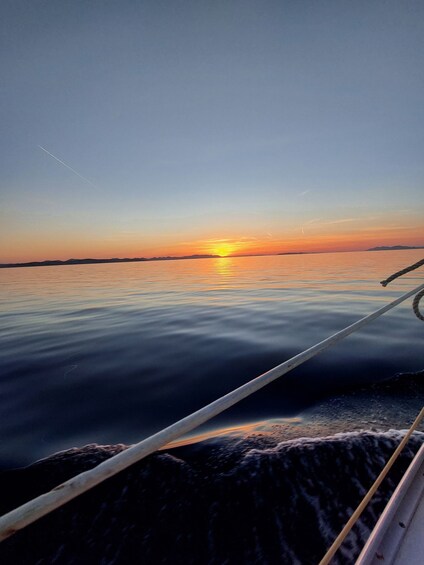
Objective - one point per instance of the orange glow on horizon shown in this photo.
(313, 238)
(224, 248)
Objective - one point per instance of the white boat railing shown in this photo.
(31, 511)
(389, 538)
(364, 502)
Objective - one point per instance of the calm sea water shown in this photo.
(112, 353)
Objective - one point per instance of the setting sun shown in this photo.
(224, 249)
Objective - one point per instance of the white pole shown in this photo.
(31, 511)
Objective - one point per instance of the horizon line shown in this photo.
(93, 260)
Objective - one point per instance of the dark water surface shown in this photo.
(233, 502)
(111, 353)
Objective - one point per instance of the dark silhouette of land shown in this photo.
(395, 248)
(95, 261)
(57, 262)
(298, 252)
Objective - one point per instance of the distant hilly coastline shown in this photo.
(395, 248)
(297, 253)
(95, 261)
(89, 261)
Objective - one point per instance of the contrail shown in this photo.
(67, 166)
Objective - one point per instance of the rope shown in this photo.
(34, 509)
(415, 304)
(341, 537)
(402, 272)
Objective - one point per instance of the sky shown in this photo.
(167, 127)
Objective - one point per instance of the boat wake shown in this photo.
(224, 500)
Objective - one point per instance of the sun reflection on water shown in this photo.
(224, 267)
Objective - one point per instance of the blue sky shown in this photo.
(194, 121)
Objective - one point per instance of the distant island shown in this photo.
(395, 248)
(53, 263)
(95, 261)
(297, 252)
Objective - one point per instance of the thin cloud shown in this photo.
(319, 222)
(342, 221)
(314, 221)
(67, 166)
(228, 240)
(346, 220)
(307, 224)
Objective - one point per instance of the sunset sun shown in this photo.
(224, 249)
